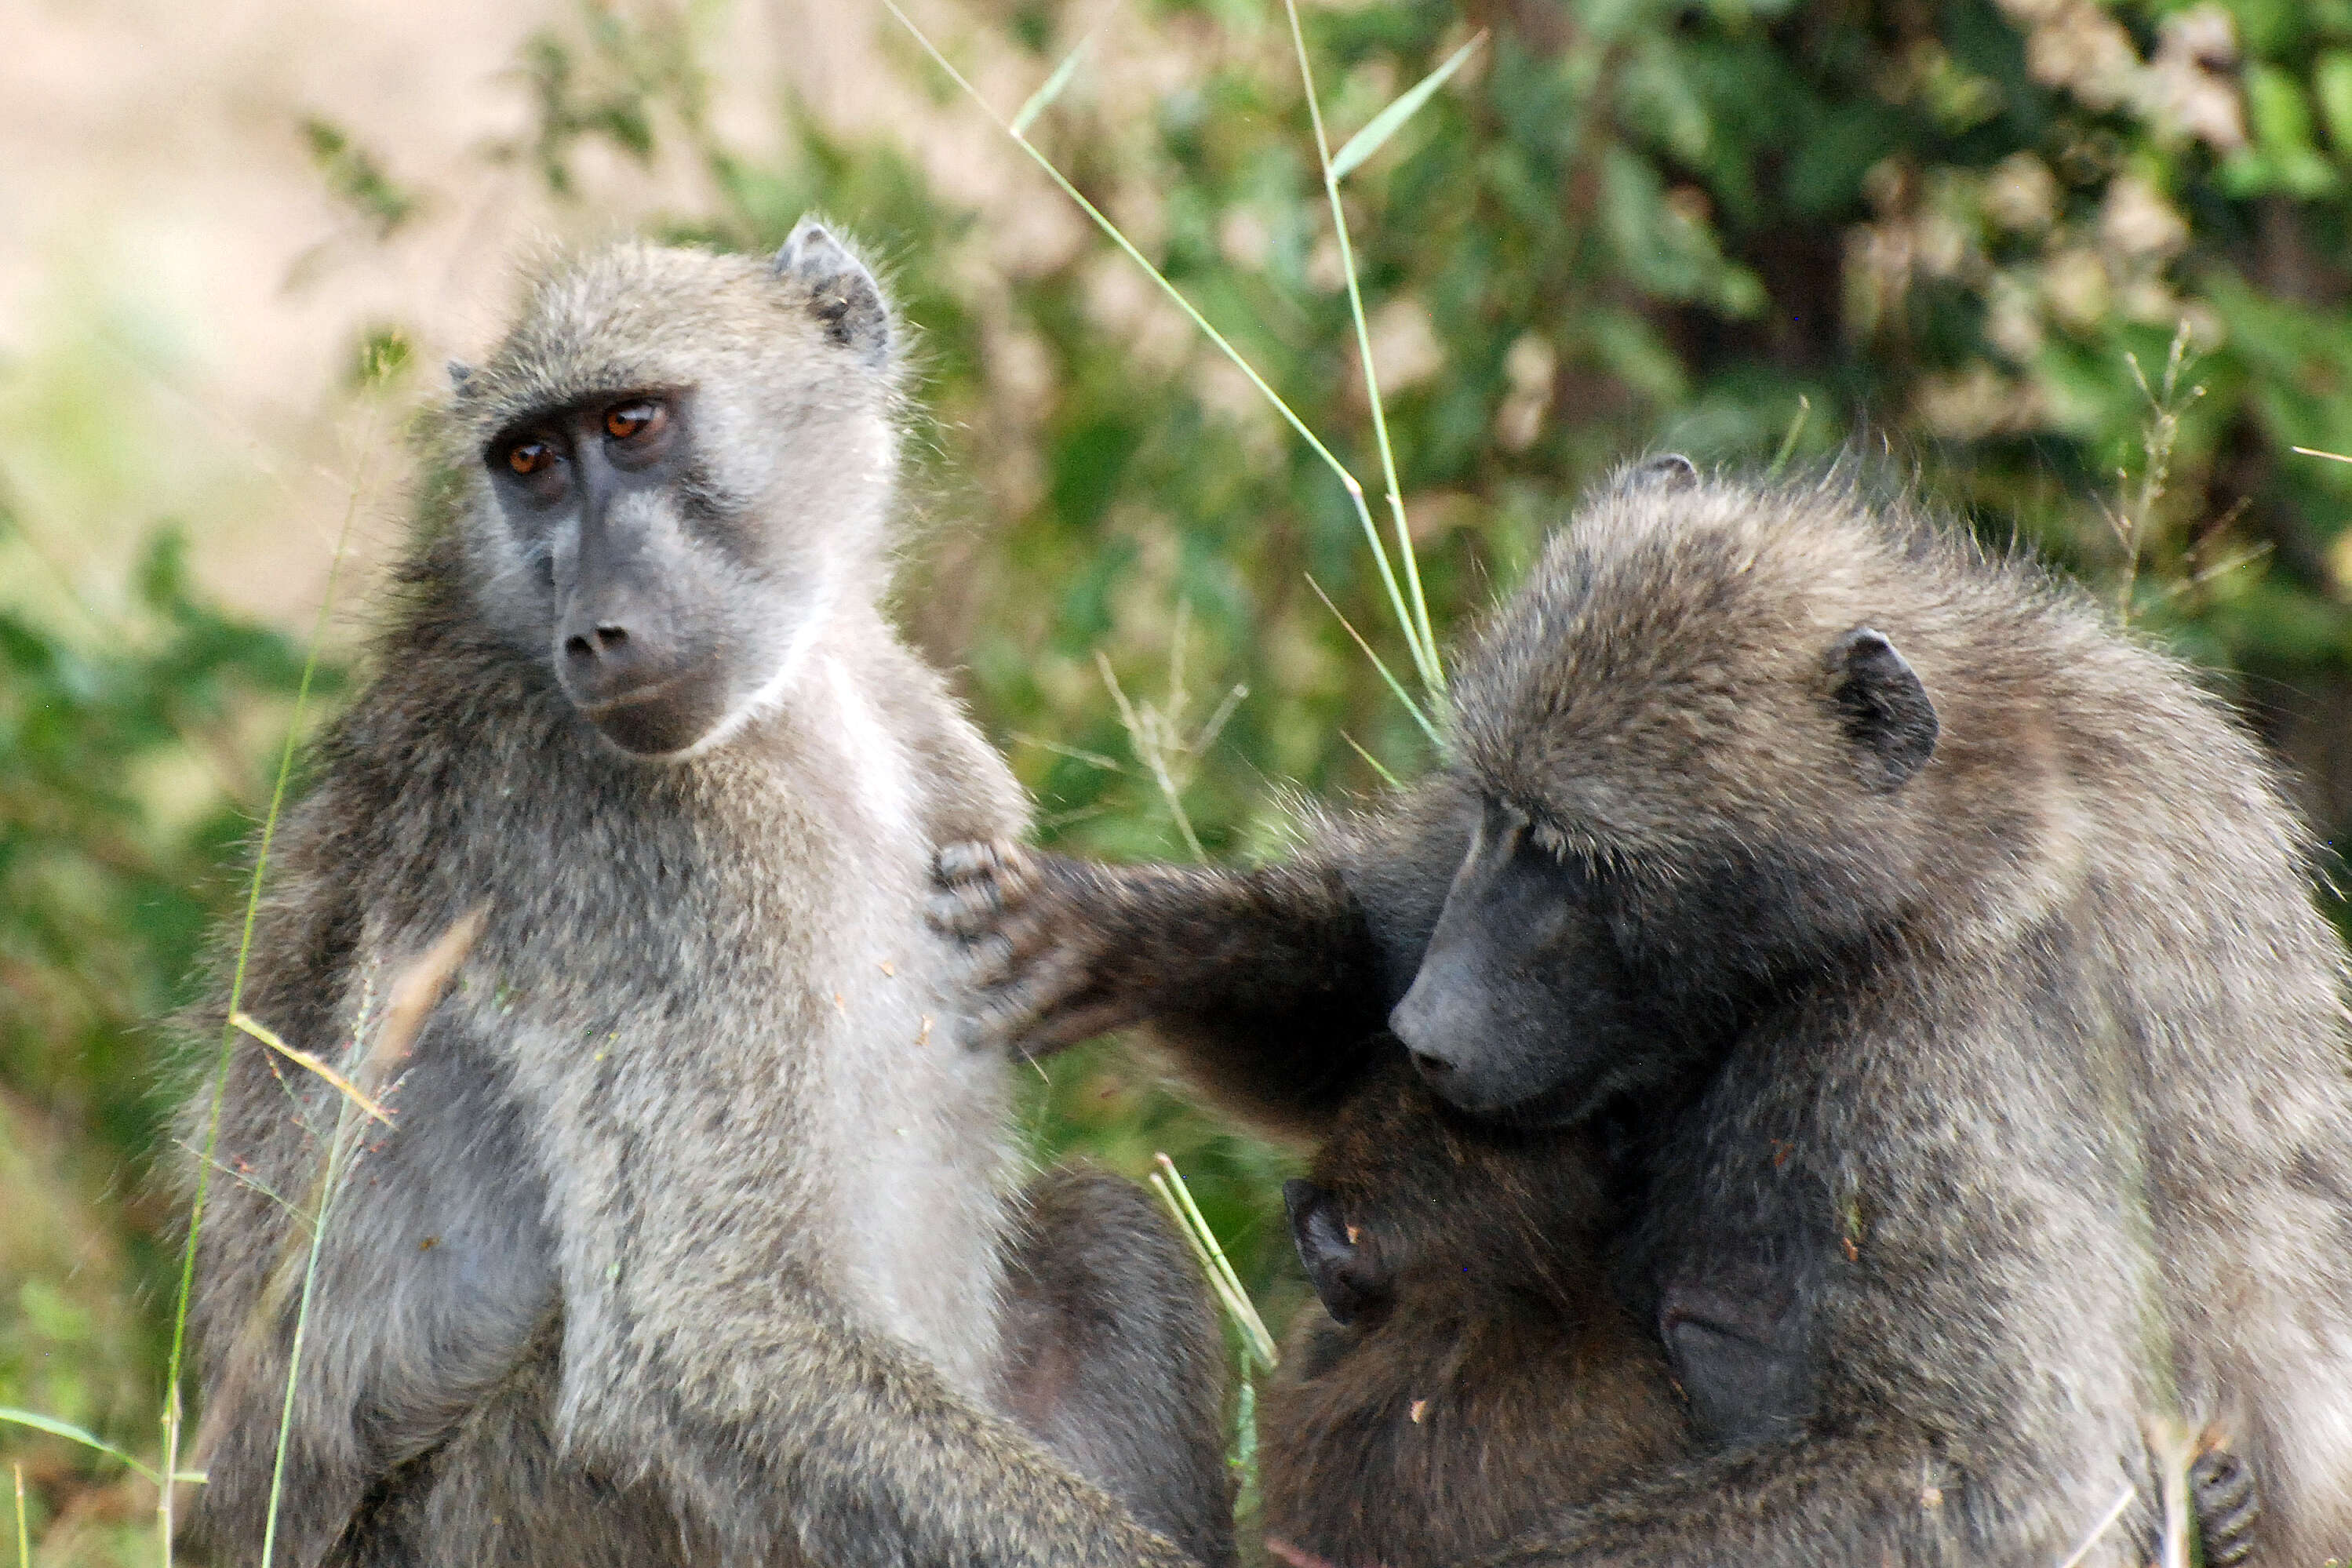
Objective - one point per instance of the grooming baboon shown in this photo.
(1957, 950)
(691, 1236)
(1473, 1372)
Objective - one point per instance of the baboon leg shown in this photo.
(1114, 1359)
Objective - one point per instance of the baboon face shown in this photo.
(682, 459)
(1696, 763)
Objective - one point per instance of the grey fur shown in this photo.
(694, 1235)
(1998, 1071)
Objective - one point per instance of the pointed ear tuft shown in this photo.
(843, 294)
(1667, 471)
(460, 372)
(1886, 712)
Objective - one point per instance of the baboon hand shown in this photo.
(1037, 932)
(2226, 1505)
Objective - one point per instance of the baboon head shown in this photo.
(1409, 1205)
(1706, 745)
(681, 464)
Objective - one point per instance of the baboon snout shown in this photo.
(1427, 1022)
(649, 692)
(613, 649)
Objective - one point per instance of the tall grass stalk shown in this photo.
(340, 1147)
(1414, 627)
(2099, 1531)
(172, 1403)
(24, 1531)
(2135, 508)
(1168, 1183)
(1418, 635)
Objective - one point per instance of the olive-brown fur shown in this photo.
(1958, 951)
(1487, 1375)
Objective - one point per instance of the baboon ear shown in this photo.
(1336, 1266)
(460, 372)
(1667, 471)
(842, 293)
(1886, 712)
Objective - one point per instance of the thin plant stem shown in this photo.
(1418, 635)
(1354, 488)
(1221, 1270)
(173, 1410)
(1380, 665)
(2106, 1523)
(1371, 761)
(339, 1150)
(1148, 747)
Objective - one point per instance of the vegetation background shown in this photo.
(1961, 236)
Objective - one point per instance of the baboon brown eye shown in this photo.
(630, 420)
(529, 456)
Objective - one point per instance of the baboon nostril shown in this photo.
(578, 648)
(611, 637)
(1431, 1066)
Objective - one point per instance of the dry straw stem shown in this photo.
(2106, 1523)
(1168, 1183)
(1414, 628)
(413, 992)
(24, 1536)
(2130, 517)
(247, 1024)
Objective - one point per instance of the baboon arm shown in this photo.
(1263, 985)
(432, 1274)
(1878, 1498)
(1270, 988)
(806, 1430)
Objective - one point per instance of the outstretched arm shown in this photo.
(1269, 987)
(1264, 985)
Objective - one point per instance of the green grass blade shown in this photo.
(71, 1433)
(1789, 441)
(1420, 640)
(1385, 124)
(206, 1164)
(1169, 1182)
(1380, 665)
(1289, 416)
(1371, 761)
(1043, 99)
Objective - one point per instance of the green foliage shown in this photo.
(126, 757)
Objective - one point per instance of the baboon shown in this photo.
(1959, 950)
(1473, 1372)
(692, 1237)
